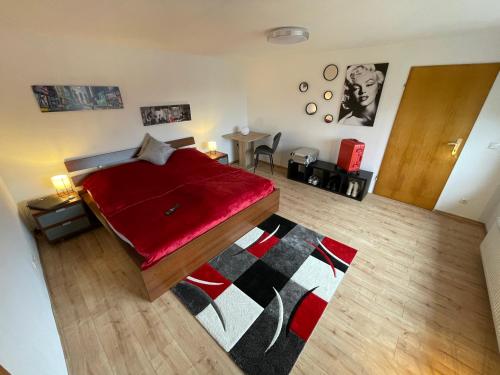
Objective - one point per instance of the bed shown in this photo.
(172, 219)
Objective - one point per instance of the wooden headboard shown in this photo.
(81, 167)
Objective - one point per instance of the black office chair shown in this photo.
(266, 150)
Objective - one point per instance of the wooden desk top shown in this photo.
(250, 137)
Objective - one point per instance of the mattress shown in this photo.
(135, 197)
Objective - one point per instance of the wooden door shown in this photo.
(439, 105)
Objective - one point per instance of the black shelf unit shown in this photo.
(331, 177)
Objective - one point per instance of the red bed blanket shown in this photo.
(135, 196)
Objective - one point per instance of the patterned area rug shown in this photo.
(262, 297)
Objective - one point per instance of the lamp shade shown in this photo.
(212, 146)
(62, 184)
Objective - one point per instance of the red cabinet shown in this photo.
(350, 155)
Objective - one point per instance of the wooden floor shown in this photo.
(414, 300)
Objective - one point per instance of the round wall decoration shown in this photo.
(328, 118)
(311, 108)
(303, 86)
(330, 72)
(327, 95)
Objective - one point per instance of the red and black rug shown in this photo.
(262, 297)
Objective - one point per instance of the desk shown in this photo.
(245, 146)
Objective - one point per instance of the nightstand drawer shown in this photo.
(67, 228)
(60, 215)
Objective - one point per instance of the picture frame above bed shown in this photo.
(63, 98)
(165, 114)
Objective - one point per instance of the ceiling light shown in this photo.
(288, 35)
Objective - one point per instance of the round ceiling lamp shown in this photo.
(288, 35)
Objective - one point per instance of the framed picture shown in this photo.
(362, 90)
(165, 114)
(77, 98)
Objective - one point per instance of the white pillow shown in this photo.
(155, 151)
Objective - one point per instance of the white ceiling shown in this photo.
(216, 27)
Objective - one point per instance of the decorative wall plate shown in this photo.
(327, 95)
(311, 108)
(330, 72)
(328, 118)
(303, 86)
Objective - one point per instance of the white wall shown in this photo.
(33, 145)
(477, 163)
(491, 214)
(275, 104)
(29, 341)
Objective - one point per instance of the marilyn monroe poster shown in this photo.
(362, 89)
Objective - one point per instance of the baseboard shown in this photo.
(461, 219)
(276, 166)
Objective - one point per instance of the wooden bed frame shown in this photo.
(176, 266)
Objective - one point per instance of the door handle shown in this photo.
(456, 146)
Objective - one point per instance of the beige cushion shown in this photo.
(145, 141)
(155, 151)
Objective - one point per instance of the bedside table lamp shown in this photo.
(212, 146)
(62, 184)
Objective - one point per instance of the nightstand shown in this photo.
(64, 221)
(219, 156)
